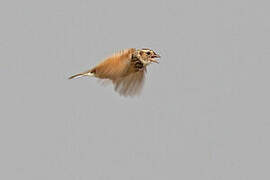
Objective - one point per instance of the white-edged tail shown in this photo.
(81, 75)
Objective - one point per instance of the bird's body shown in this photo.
(126, 69)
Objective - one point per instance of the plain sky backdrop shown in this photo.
(203, 113)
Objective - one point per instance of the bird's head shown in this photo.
(147, 56)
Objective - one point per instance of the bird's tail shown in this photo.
(81, 75)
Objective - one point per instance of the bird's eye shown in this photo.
(148, 53)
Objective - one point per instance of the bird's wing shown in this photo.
(130, 85)
(114, 66)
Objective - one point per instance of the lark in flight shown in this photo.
(126, 70)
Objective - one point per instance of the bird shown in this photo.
(126, 70)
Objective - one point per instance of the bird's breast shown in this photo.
(136, 63)
(135, 66)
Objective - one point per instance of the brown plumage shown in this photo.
(126, 69)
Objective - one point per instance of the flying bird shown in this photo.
(125, 69)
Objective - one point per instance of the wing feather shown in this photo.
(130, 85)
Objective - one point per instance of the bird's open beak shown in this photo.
(155, 56)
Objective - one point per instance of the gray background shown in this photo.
(203, 113)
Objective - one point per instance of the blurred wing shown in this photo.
(114, 66)
(130, 85)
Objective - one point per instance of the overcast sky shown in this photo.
(203, 113)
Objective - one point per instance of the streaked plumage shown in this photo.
(126, 69)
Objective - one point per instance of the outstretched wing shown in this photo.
(114, 66)
(130, 85)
